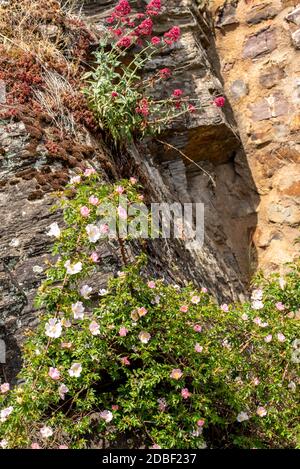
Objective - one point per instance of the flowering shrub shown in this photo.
(117, 92)
(164, 364)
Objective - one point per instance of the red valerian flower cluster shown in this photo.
(154, 8)
(145, 28)
(124, 42)
(165, 73)
(122, 9)
(143, 107)
(220, 101)
(172, 36)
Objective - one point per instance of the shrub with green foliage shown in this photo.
(162, 363)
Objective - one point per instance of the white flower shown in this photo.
(144, 337)
(268, 338)
(3, 444)
(85, 291)
(93, 233)
(75, 180)
(5, 413)
(257, 294)
(46, 432)
(62, 390)
(242, 416)
(244, 317)
(78, 310)
(106, 415)
(73, 269)
(54, 230)
(257, 304)
(53, 328)
(102, 292)
(75, 370)
(94, 328)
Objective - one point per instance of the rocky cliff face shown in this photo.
(258, 45)
(234, 149)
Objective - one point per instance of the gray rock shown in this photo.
(296, 39)
(261, 43)
(294, 16)
(265, 13)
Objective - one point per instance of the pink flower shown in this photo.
(94, 328)
(115, 407)
(106, 415)
(185, 393)
(198, 348)
(184, 309)
(200, 422)
(268, 338)
(280, 337)
(35, 446)
(155, 40)
(104, 229)
(125, 361)
(122, 213)
(220, 101)
(142, 311)
(197, 328)
(165, 73)
(124, 42)
(94, 257)
(261, 411)
(89, 171)
(63, 447)
(144, 337)
(162, 404)
(176, 373)
(85, 211)
(62, 390)
(195, 300)
(120, 190)
(151, 284)
(123, 331)
(172, 36)
(155, 446)
(54, 373)
(224, 307)
(133, 180)
(204, 290)
(4, 388)
(280, 306)
(177, 93)
(93, 200)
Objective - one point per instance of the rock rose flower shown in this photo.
(54, 373)
(261, 411)
(93, 233)
(62, 390)
(106, 415)
(78, 310)
(75, 370)
(85, 291)
(73, 269)
(94, 328)
(176, 373)
(53, 328)
(144, 337)
(4, 388)
(54, 230)
(242, 416)
(46, 432)
(5, 413)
